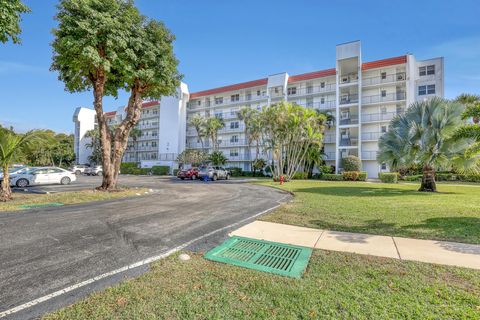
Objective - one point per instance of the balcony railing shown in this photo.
(326, 105)
(369, 155)
(396, 77)
(329, 155)
(396, 96)
(350, 98)
(230, 129)
(347, 121)
(240, 157)
(149, 137)
(371, 136)
(329, 139)
(349, 78)
(227, 101)
(349, 142)
(312, 90)
(374, 117)
(148, 126)
(167, 156)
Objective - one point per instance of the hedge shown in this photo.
(350, 175)
(160, 170)
(156, 170)
(300, 176)
(332, 177)
(447, 177)
(388, 177)
(363, 176)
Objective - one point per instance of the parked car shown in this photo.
(94, 171)
(213, 173)
(42, 175)
(191, 174)
(13, 171)
(78, 168)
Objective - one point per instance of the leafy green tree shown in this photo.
(288, 130)
(217, 158)
(198, 122)
(105, 46)
(212, 125)
(424, 136)
(10, 18)
(193, 157)
(11, 147)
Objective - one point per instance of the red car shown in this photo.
(191, 174)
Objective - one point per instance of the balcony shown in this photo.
(167, 156)
(348, 141)
(350, 120)
(329, 139)
(369, 155)
(312, 90)
(348, 79)
(239, 157)
(329, 156)
(390, 78)
(140, 149)
(240, 128)
(148, 126)
(371, 136)
(228, 101)
(348, 98)
(148, 137)
(389, 97)
(378, 117)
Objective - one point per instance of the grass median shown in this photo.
(385, 209)
(335, 286)
(74, 197)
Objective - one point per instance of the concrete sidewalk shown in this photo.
(431, 251)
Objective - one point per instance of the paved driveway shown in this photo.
(45, 250)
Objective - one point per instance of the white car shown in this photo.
(94, 171)
(78, 168)
(43, 175)
(13, 170)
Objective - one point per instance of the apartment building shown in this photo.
(161, 131)
(362, 96)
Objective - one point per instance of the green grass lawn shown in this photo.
(387, 209)
(20, 199)
(335, 286)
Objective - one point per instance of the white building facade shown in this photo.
(362, 96)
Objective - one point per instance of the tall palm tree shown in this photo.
(472, 111)
(135, 133)
(424, 136)
(198, 122)
(472, 106)
(245, 115)
(11, 146)
(212, 125)
(255, 130)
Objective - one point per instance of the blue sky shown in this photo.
(224, 42)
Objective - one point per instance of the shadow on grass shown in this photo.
(458, 229)
(357, 191)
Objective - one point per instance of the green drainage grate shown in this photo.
(273, 257)
(41, 205)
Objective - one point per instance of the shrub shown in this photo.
(160, 170)
(350, 175)
(388, 177)
(351, 163)
(417, 177)
(362, 176)
(300, 176)
(125, 166)
(235, 172)
(326, 169)
(332, 177)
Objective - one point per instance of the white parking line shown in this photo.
(129, 267)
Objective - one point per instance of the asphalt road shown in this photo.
(45, 250)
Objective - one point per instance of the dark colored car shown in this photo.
(191, 174)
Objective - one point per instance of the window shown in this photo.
(431, 89)
(234, 153)
(154, 133)
(383, 129)
(276, 90)
(248, 96)
(235, 97)
(322, 85)
(309, 102)
(322, 100)
(422, 71)
(154, 143)
(384, 166)
(258, 93)
(292, 90)
(383, 110)
(218, 115)
(431, 69)
(234, 125)
(219, 100)
(199, 103)
(383, 75)
(234, 139)
(422, 90)
(383, 93)
(309, 88)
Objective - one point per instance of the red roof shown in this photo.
(312, 75)
(232, 87)
(384, 62)
(148, 104)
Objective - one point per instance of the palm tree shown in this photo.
(245, 115)
(472, 104)
(135, 133)
(198, 122)
(424, 136)
(11, 146)
(470, 131)
(212, 125)
(255, 130)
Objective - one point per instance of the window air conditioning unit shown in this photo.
(400, 76)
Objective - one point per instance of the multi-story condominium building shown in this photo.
(362, 96)
(162, 129)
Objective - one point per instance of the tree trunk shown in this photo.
(5, 190)
(428, 180)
